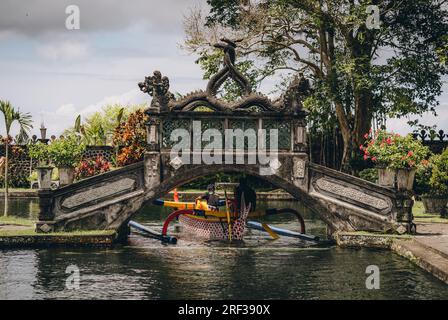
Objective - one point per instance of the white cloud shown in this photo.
(64, 50)
(66, 110)
(126, 99)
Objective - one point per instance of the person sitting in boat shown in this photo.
(249, 195)
(211, 197)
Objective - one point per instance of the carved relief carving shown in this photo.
(99, 193)
(299, 168)
(351, 193)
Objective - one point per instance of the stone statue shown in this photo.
(157, 87)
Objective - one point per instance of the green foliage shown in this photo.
(66, 152)
(422, 177)
(439, 175)
(39, 151)
(370, 174)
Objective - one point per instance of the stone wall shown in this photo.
(21, 165)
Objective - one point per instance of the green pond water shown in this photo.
(258, 268)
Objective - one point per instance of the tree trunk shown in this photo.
(6, 179)
(346, 135)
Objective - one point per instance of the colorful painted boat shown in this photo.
(212, 228)
(201, 220)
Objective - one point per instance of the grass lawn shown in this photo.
(11, 220)
(19, 190)
(421, 216)
(28, 229)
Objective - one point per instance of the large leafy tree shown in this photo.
(363, 71)
(11, 116)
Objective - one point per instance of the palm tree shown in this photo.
(24, 120)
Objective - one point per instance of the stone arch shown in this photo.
(192, 173)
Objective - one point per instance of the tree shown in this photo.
(368, 61)
(24, 120)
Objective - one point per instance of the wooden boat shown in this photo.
(204, 221)
(211, 223)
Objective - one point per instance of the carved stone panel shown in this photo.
(350, 194)
(299, 168)
(97, 194)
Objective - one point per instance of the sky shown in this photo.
(56, 74)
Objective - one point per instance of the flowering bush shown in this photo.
(130, 137)
(89, 168)
(393, 151)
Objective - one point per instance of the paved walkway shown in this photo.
(429, 249)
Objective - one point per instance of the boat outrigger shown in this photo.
(210, 223)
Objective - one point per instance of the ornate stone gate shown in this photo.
(108, 201)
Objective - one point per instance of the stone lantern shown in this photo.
(300, 136)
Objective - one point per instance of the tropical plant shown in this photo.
(340, 45)
(91, 167)
(130, 138)
(370, 174)
(98, 128)
(393, 151)
(66, 151)
(439, 175)
(11, 116)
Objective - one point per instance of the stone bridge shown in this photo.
(109, 201)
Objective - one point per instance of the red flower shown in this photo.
(366, 157)
(374, 159)
(410, 154)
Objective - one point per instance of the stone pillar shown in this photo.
(46, 215)
(152, 171)
(153, 130)
(404, 211)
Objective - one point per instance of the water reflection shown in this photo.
(22, 207)
(259, 268)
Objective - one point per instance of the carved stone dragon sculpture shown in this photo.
(290, 102)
